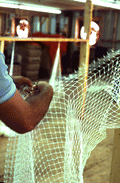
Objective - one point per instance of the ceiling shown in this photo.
(51, 5)
(61, 4)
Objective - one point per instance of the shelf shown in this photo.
(37, 39)
(42, 39)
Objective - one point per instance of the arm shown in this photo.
(22, 116)
(40, 102)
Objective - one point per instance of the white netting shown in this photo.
(56, 151)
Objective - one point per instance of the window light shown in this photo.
(30, 7)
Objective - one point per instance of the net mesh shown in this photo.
(58, 148)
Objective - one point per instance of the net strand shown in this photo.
(57, 149)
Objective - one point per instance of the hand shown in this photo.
(20, 80)
(40, 89)
(37, 88)
(42, 85)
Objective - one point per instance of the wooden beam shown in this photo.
(35, 39)
(85, 52)
(88, 17)
(85, 48)
(83, 74)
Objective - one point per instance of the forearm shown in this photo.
(22, 116)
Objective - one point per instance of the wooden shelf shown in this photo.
(42, 39)
(37, 39)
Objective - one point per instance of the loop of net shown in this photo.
(56, 151)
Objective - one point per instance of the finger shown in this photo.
(27, 81)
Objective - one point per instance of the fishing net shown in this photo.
(56, 151)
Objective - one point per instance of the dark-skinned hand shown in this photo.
(20, 80)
